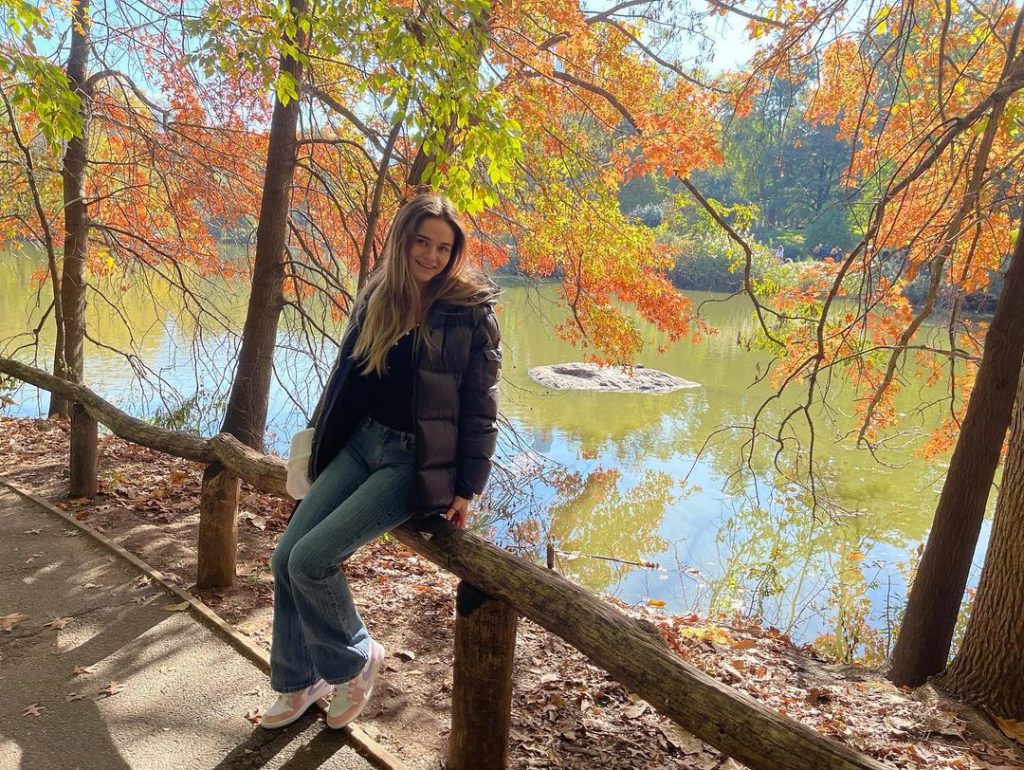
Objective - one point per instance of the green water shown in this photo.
(632, 477)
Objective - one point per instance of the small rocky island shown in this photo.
(587, 376)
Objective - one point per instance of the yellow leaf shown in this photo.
(707, 634)
(655, 603)
(1012, 728)
(176, 607)
(855, 556)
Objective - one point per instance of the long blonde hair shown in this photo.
(392, 299)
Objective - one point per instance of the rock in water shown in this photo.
(586, 376)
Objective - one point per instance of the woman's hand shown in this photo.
(458, 512)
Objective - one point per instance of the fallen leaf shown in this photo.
(687, 743)
(1012, 728)
(655, 603)
(74, 696)
(635, 712)
(112, 688)
(92, 585)
(743, 644)
(33, 710)
(176, 607)
(7, 622)
(947, 724)
(31, 532)
(405, 654)
(79, 670)
(57, 623)
(260, 522)
(255, 715)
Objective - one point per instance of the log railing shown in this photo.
(498, 587)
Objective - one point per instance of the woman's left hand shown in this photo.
(458, 512)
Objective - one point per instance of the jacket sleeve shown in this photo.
(478, 412)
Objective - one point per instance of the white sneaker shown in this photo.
(291, 705)
(350, 698)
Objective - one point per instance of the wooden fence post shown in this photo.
(218, 528)
(485, 644)
(82, 481)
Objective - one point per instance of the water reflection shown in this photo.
(635, 478)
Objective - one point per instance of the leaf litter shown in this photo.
(566, 713)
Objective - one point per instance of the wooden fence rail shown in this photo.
(501, 586)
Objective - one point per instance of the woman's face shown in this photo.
(431, 249)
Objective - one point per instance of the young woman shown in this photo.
(405, 427)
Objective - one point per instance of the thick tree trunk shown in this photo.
(923, 644)
(989, 669)
(72, 284)
(246, 413)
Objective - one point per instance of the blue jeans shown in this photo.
(362, 494)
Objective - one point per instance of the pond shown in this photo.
(644, 496)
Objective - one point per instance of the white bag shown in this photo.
(298, 482)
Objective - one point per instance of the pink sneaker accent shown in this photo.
(291, 705)
(350, 698)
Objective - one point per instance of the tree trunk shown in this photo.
(485, 645)
(246, 413)
(989, 669)
(72, 284)
(923, 644)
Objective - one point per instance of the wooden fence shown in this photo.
(497, 588)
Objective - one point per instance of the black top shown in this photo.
(389, 397)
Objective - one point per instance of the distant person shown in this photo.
(780, 252)
(405, 427)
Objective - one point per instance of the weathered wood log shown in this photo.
(120, 423)
(631, 651)
(636, 655)
(485, 644)
(83, 480)
(265, 473)
(218, 528)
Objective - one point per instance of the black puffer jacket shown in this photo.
(455, 405)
